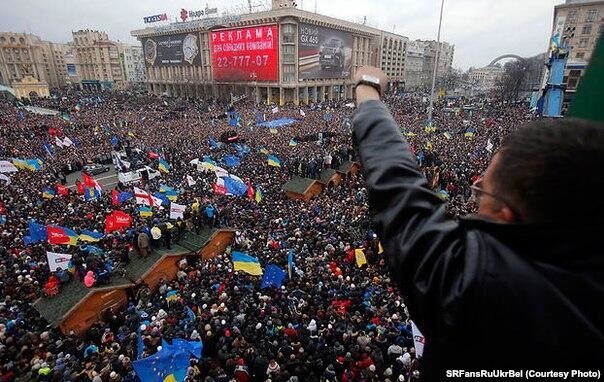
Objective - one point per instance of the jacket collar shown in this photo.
(552, 243)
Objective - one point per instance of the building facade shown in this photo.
(277, 56)
(133, 64)
(580, 23)
(393, 56)
(446, 52)
(415, 77)
(97, 59)
(24, 55)
(485, 78)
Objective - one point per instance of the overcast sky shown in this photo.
(480, 29)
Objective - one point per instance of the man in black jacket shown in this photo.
(521, 285)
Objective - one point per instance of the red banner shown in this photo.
(116, 221)
(246, 54)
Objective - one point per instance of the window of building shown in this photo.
(590, 16)
(583, 42)
(586, 29)
(580, 55)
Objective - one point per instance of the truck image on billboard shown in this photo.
(245, 54)
(323, 53)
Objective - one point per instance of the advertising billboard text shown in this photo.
(246, 54)
(180, 49)
(323, 52)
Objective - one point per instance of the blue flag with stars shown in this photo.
(273, 276)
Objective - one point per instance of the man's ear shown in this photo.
(507, 215)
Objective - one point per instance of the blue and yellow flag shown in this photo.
(246, 263)
(145, 211)
(170, 192)
(293, 143)
(91, 193)
(90, 236)
(49, 193)
(274, 161)
(447, 135)
(164, 166)
(259, 195)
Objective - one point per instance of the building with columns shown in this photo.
(282, 55)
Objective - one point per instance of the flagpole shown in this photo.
(440, 21)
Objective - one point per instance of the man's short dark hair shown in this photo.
(552, 171)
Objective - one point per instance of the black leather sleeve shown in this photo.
(433, 260)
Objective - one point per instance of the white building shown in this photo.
(133, 63)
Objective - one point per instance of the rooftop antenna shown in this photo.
(249, 4)
(364, 20)
(393, 28)
(315, 6)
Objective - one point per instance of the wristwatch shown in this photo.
(372, 81)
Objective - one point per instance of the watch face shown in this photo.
(372, 79)
(189, 48)
(150, 51)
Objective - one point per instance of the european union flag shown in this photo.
(37, 233)
(48, 148)
(234, 185)
(231, 161)
(273, 276)
(115, 141)
(213, 144)
(124, 196)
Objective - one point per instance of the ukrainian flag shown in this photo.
(274, 131)
(293, 143)
(48, 193)
(145, 211)
(171, 296)
(164, 166)
(170, 193)
(259, 195)
(429, 146)
(246, 263)
(274, 161)
(19, 163)
(263, 150)
(90, 236)
(469, 135)
(447, 135)
(359, 255)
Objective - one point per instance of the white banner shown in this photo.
(275, 110)
(302, 113)
(490, 146)
(5, 178)
(58, 142)
(67, 142)
(418, 340)
(191, 181)
(57, 260)
(177, 211)
(6, 166)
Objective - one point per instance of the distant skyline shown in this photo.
(480, 29)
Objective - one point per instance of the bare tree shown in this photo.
(511, 83)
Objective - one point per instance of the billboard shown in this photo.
(323, 52)
(180, 49)
(245, 54)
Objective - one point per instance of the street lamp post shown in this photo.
(440, 21)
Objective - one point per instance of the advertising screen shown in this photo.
(246, 54)
(180, 49)
(323, 52)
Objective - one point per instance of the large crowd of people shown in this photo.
(331, 320)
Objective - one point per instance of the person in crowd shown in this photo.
(529, 253)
